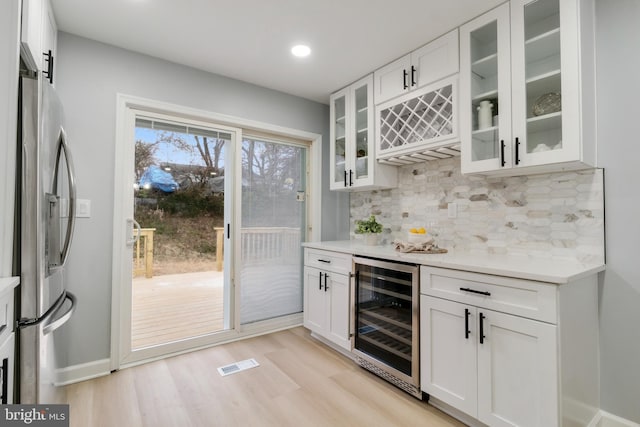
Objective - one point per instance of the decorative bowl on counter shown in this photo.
(418, 236)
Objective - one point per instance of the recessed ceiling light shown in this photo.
(301, 50)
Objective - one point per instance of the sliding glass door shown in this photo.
(272, 228)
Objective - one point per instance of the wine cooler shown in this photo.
(385, 321)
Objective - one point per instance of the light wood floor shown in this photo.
(300, 382)
(175, 306)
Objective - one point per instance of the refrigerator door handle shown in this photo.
(51, 312)
(64, 147)
(55, 324)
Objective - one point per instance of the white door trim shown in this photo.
(123, 188)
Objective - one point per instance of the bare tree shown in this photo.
(144, 156)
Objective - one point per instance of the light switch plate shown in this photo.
(83, 208)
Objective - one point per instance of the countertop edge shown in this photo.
(7, 283)
(571, 270)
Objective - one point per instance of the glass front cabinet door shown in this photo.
(353, 164)
(527, 88)
(485, 91)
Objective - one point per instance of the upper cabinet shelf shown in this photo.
(527, 88)
(486, 66)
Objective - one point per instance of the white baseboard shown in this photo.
(85, 371)
(609, 420)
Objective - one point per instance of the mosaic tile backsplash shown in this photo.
(549, 215)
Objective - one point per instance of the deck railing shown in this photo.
(258, 244)
(143, 262)
(263, 244)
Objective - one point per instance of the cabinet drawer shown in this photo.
(6, 313)
(328, 261)
(535, 300)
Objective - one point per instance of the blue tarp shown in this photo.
(154, 177)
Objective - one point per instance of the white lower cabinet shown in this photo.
(327, 296)
(7, 359)
(501, 368)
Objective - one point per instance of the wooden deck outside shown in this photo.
(176, 306)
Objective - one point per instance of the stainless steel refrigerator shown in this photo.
(47, 212)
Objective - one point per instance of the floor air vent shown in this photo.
(237, 367)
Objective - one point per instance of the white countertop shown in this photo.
(552, 270)
(8, 283)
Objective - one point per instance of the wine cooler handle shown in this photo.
(353, 302)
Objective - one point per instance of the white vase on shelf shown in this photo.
(485, 115)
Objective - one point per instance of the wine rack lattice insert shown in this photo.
(423, 118)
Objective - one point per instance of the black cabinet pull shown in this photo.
(502, 160)
(350, 178)
(413, 75)
(320, 281)
(5, 381)
(345, 178)
(228, 231)
(482, 337)
(48, 57)
(517, 151)
(325, 261)
(466, 323)
(325, 281)
(404, 79)
(476, 292)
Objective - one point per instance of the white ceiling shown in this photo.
(250, 40)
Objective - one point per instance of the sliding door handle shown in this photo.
(134, 239)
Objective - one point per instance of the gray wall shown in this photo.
(618, 62)
(89, 75)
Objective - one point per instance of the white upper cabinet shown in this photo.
(31, 33)
(352, 151)
(434, 61)
(527, 88)
(39, 36)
